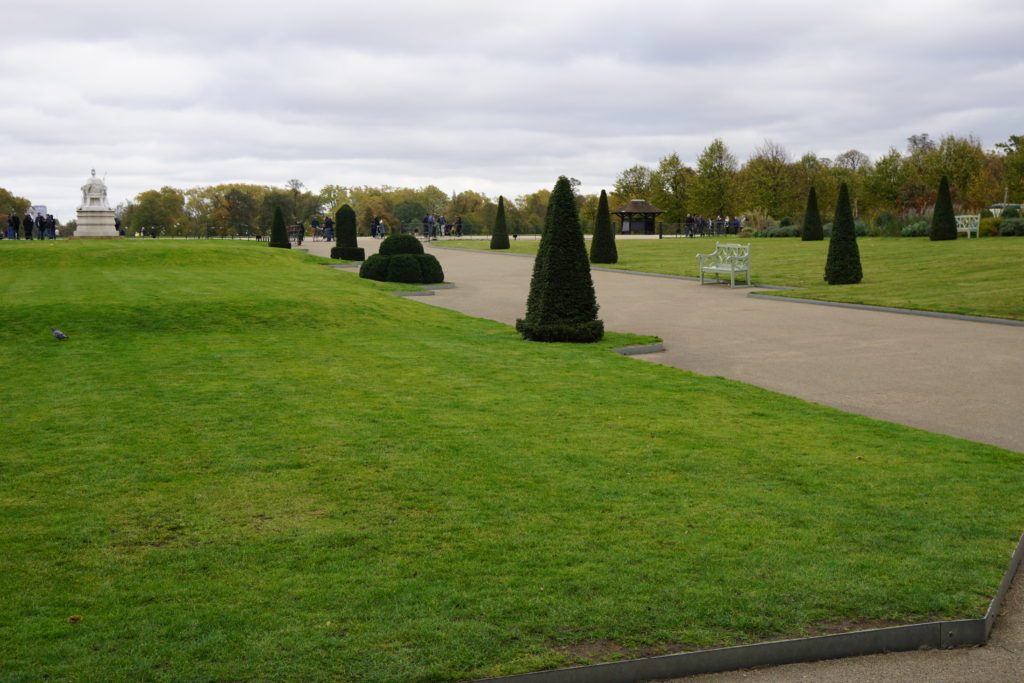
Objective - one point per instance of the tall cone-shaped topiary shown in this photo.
(346, 246)
(602, 246)
(562, 306)
(811, 230)
(499, 236)
(943, 220)
(279, 233)
(843, 265)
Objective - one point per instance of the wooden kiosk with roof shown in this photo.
(638, 217)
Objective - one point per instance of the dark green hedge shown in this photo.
(430, 268)
(348, 253)
(375, 268)
(400, 244)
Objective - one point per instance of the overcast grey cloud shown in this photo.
(497, 97)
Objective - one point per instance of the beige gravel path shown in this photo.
(965, 379)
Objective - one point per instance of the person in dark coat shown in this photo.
(40, 226)
(51, 226)
(26, 226)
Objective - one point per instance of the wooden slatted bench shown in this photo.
(726, 258)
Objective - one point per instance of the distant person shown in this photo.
(26, 226)
(298, 234)
(40, 226)
(328, 229)
(13, 223)
(315, 225)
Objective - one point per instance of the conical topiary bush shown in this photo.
(279, 233)
(345, 243)
(811, 230)
(943, 219)
(602, 246)
(562, 306)
(499, 236)
(843, 265)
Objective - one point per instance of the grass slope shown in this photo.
(246, 466)
(971, 277)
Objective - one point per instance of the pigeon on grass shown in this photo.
(58, 335)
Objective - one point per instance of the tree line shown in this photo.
(770, 187)
(773, 186)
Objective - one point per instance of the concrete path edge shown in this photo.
(932, 635)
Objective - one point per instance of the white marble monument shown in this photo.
(95, 217)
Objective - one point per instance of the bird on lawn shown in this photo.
(57, 334)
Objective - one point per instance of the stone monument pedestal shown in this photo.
(95, 217)
(96, 224)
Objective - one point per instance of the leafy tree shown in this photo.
(9, 203)
(278, 231)
(634, 182)
(160, 210)
(943, 219)
(852, 167)
(670, 188)
(433, 198)
(843, 264)
(562, 305)
(714, 187)
(1012, 152)
(499, 237)
(275, 199)
(409, 211)
(767, 181)
(531, 211)
(602, 247)
(886, 179)
(811, 230)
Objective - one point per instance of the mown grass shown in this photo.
(247, 466)
(972, 277)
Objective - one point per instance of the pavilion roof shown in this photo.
(637, 206)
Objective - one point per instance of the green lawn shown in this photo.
(974, 277)
(246, 466)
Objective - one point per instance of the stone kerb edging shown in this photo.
(929, 636)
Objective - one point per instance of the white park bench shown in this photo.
(726, 258)
(968, 224)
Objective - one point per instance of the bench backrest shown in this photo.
(740, 251)
(968, 222)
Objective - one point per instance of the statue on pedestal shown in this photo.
(95, 217)
(94, 194)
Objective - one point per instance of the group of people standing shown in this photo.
(435, 225)
(39, 227)
(701, 225)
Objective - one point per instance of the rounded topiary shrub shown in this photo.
(400, 244)
(430, 268)
(1010, 212)
(404, 268)
(375, 268)
(348, 253)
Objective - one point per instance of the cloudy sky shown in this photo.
(499, 97)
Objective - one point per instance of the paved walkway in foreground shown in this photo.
(955, 377)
